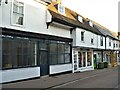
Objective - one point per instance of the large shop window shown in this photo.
(89, 58)
(7, 53)
(18, 12)
(59, 53)
(18, 52)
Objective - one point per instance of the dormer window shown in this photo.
(61, 9)
(90, 23)
(80, 19)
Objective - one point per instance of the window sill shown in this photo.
(83, 41)
(17, 25)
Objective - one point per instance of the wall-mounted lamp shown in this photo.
(6, 1)
(0, 2)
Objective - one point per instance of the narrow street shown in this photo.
(102, 80)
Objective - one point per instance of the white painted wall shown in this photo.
(87, 38)
(56, 30)
(19, 74)
(33, 21)
(60, 68)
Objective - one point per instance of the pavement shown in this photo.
(54, 81)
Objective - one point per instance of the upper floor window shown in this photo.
(109, 42)
(18, 12)
(61, 9)
(82, 36)
(90, 23)
(101, 41)
(80, 19)
(91, 40)
(114, 45)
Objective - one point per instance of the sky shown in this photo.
(104, 12)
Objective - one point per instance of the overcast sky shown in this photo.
(105, 12)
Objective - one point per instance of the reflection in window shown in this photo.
(18, 12)
(7, 53)
(89, 58)
(17, 53)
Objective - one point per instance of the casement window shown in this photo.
(82, 36)
(101, 41)
(59, 53)
(18, 13)
(61, 9)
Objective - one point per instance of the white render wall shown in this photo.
(87, 38)
(60, 68)
(19, 74)
(33, 21)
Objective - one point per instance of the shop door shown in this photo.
(43, 57)
(44, 67)
(95, 61)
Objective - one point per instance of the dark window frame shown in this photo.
(13, 49)
(82, 35)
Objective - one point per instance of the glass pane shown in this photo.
(53, 48)
(53, 58)
(67, 48)
(26, 51)
(34, 53)
(79, 59)
(17, 19)
(60, 48)
(89, 60)
(84, 59)
(21, 9)
(7, 53)
(67, 58)
(6, 61)
(15, 8)
(17, 53)
(43, 45)
(43, 58)
(60, 58)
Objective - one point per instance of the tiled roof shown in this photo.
(70, 18)
(104, 30)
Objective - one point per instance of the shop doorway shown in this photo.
(43, 57)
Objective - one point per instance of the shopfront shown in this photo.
(84, 60)
(26, 53)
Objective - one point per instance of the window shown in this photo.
(90, 23)
(59, 53)
(109, 42)
(91, 40)
(82, 36)
(7, 53)
(89, 60)
(18, 13)
(101, 41)
(61, 9)
(18, 52)
(114, 45)
(80, 18)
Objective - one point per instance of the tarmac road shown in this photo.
(102, 80)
